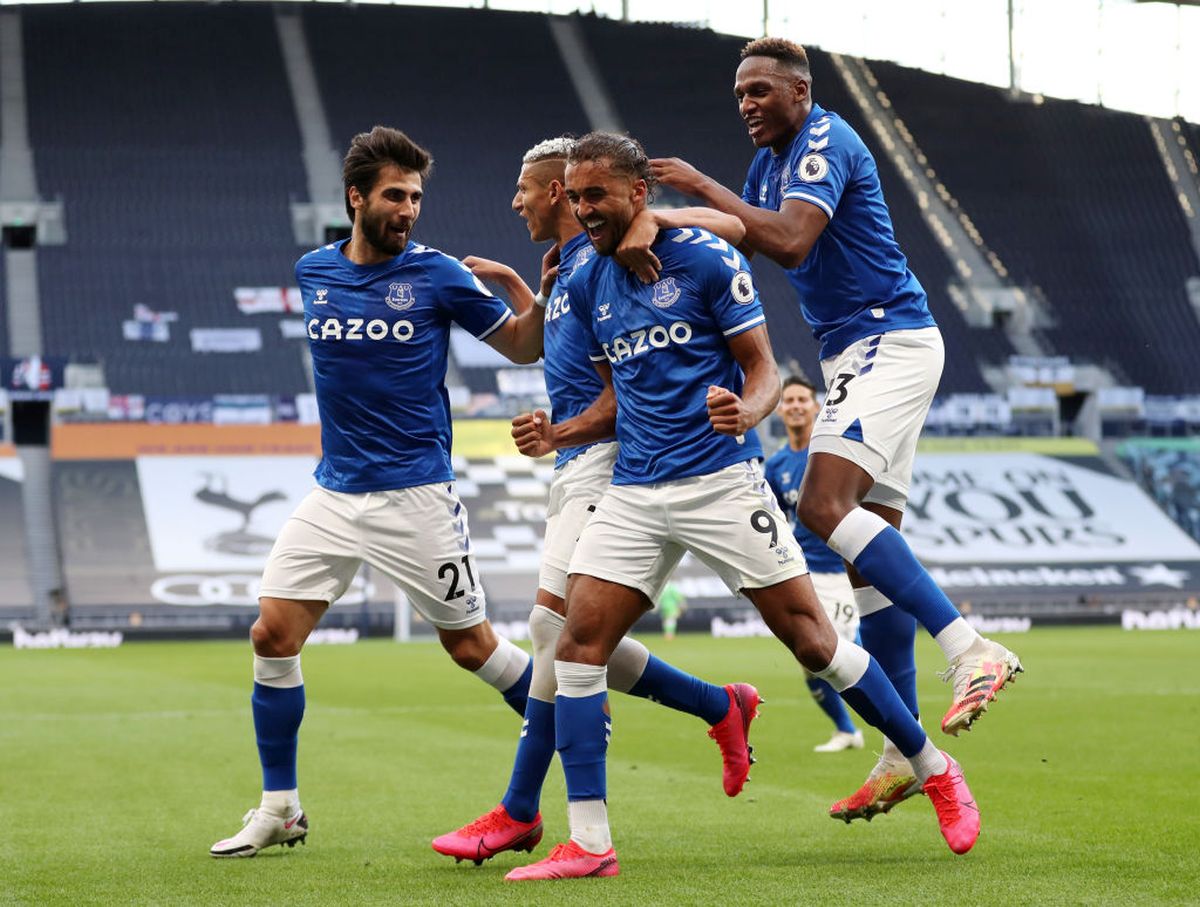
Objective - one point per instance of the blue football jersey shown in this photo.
(379, 336)
(784, 471)
(855, 281)
(667, 343)
(571, 380)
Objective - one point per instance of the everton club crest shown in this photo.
(665, 293)
(400, 296)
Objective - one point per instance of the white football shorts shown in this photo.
(837, 598)
(729, 519)
(575, 491)
(879, 391)
(417, 537)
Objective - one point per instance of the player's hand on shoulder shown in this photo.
(677, 173)
(533, 434)
(634, 251)
(550, 262)
(486, 269)
(726, 412)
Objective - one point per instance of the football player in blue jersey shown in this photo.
(783, 470)
(581, 437)
(691, 366)
(812, 203)
(378, 309)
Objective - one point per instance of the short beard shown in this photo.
(377, 236)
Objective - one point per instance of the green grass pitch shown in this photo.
(119, 768)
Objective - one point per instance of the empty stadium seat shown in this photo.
(1075, 201)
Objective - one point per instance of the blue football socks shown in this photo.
(890, 636)
(277, 716)
(673, 688)
(582, 728)
(831, 704)
(535, 750)
(517, 696)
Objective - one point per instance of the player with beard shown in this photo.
(581, 437)
(378, 308)
(692, 371)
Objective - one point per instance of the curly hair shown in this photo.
(789, 53)
(624, 154)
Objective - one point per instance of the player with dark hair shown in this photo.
(783, 470)
(371, 151)
(812, 202)
(378, 308)
(690, 363)
(581, 437)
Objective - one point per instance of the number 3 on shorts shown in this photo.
(838, 392)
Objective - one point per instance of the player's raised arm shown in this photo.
(785, 236)
(730, 414)
(503, 276)
(474, 307)
(634, 250)
(519, 339)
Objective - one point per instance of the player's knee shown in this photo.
(466, 655)
(813, 643)
(274, 638)
(821, 512)
(545, 627)
(577, 647)
(468, 650)
(568, 647)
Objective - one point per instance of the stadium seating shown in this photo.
(1170, 475)
(16, 598)
(168, 133)
(476, 88)
(1075, 201)
(695, 118)
(4, 349)
(1191, 135)
(177, 186)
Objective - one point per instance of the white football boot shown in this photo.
(841, 740)
(263, 829)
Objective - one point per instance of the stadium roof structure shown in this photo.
(1141, 56)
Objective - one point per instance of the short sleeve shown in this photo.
(467, 301)
(820, 167)
(730, 288)
(753, 192)
(750, 189)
